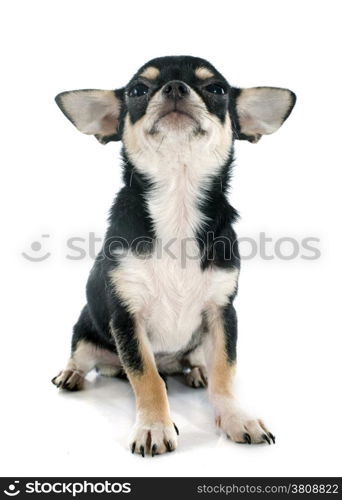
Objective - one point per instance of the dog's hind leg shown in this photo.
(195, 370)
(87, 353)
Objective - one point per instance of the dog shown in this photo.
(160, 294)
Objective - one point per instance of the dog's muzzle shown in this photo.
(176, 106)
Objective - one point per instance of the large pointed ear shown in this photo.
(94, 112)
(261, 110)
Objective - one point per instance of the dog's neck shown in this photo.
(183, 194)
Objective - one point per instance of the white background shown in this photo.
(59, 182)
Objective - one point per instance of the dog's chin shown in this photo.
(175, 122)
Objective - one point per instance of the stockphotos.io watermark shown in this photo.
(263, 246)
(42, 487)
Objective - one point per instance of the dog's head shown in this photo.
(177, 105)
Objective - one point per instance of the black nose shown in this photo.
(176, 90)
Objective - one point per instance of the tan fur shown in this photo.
(150, 393)
(203, 73)
(149, 388)
(221, 369)
(151, 73)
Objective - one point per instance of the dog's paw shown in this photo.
(71, 380)
(154, 439)
(241, 428)
(197, 377)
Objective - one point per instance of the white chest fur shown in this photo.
(168, 288)
(169, 297)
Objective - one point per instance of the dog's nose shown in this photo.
(175, 90)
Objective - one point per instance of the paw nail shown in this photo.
(142, 451)
(272, 437)
(266, 438)
(154, 449)
(176, 429)
(133, 448)
(247, 438)
(168, 445)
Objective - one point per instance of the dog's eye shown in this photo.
(138, 90)
(215, 88)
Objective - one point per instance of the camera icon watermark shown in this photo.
(13, 491)
(36, 254)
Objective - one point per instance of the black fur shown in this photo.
(180, 68)
(230, 327)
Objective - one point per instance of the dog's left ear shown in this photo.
(261, 110)
(94, 112)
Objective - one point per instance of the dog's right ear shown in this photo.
(94, 112)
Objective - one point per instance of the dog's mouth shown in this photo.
(175, 118)
(174, 113)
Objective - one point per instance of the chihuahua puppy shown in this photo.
(160, 294)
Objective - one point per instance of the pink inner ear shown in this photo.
(109, 124)
(247, 122)
(93, 112)
(261, 110)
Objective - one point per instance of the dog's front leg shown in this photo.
(154, 431)
(221, 353)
